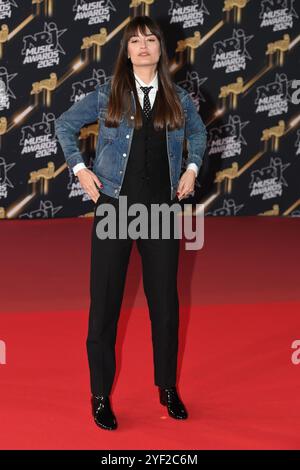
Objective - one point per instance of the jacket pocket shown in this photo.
(109, 134)
(107, 162)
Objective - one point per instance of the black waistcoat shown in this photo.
(147, 177)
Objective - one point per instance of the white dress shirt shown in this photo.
(152, 94)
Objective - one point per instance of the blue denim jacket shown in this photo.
(113, 144)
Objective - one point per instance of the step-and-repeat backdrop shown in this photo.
(238, 59)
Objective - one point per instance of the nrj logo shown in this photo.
(189, 13)
(297, 143)
(74, 186)
(2, 352)
(45, 211)
(229, 208)
(95, 11)
(40, 137)
(295, 213)
(231, 53)
(4, 180)
(81, 89)
(43, 47)
(277, 13)
(228, 138)
(5, 90)
(275, 96)
(6, 8)
(296, 94)
(295, 358)
(166, 221)
(269, 181)
(192, 84)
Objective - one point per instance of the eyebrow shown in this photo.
(136, 35)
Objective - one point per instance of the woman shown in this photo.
(143, 119)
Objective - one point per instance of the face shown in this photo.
(144, 50)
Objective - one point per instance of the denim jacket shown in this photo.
(113, 144)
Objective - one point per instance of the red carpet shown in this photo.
(240, 305)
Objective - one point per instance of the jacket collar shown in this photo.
(139, 82)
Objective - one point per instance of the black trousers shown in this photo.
(109, 263)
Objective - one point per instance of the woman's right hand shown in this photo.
(87, 181)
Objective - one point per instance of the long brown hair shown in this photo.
(168, 107)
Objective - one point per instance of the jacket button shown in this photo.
(121, 171)
(131, 117)
(124, 154)
(127, 137)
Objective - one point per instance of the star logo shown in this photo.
(4, 168)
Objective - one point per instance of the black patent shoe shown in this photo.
(169, 397)
(102, 412)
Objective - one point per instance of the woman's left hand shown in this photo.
(186, 184)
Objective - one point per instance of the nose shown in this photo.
(143, 43)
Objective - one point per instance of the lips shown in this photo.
(144, 54)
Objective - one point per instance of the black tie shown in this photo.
(147, 105)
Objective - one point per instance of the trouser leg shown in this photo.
(160, 266)
(109, 263)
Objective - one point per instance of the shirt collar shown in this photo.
(139, 82)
